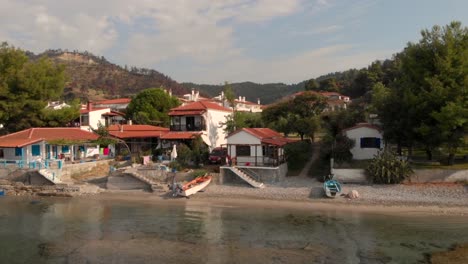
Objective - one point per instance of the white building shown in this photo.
(368, 140)
(202, 118)
(91, 117)
(257, 147)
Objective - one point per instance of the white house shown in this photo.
(368, 140)
(46, 143)
(257, 147)
(91, 117)
(202, 118)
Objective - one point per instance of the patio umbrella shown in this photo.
(174, 153)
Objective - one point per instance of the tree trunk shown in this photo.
(451, 159)
(399, 149)
(302, 137)
(429, 154)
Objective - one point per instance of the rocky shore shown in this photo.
(20, 189)
(438, 198)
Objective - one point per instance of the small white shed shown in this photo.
(257, 147)
(368, 140)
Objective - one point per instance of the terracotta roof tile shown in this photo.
(136, 131)
(32, 135)
(201, 105)
(266, 135)
(114, 101)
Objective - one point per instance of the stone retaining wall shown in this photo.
(420, 175)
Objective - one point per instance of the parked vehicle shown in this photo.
(218, 156)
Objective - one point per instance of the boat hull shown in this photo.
(194, 186)
(332, 188)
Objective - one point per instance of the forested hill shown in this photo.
(92, 77)
(267, 93)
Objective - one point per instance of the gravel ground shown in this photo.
(307, 189)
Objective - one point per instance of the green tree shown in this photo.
(61, 117)
(434, 74)
(151, 106)
(300, 115)
(311, 85)
(330, 85)
(25, 88)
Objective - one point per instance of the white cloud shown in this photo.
(151, 32)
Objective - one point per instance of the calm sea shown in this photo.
(81, 230)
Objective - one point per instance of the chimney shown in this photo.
(193, 94)
(170, 92)
(197, 95)
(222, 95)
(240, 98)
(89, 107)
(258, 100)
(121, 128)
(243, 99)
(130, 122)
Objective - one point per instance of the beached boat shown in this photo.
(332, 188)
(193, 186)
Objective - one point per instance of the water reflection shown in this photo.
(103, 231)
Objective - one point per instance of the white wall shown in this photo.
(244, 138)
(214, 135)
(362, 132)
(95, 117)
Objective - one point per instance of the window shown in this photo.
(370, 142)
(65, 149)
(268, 151)
(85, 120)
(36, 150)
(18, 152)
(242, 150)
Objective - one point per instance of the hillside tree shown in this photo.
(151, 106)
(25, 88)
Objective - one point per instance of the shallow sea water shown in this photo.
(81, 230)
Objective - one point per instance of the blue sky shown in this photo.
(211, 41)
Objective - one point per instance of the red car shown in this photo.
(218, 156)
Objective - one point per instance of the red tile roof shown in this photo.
(200, 106)
(266, 136)
(136, 131)
(33, 135)
(183, 113)
(180, 135)
(84, 111)
(114, 101)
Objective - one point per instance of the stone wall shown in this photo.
(266, 174)
(70, 170)
(420, 175)
(122, 181)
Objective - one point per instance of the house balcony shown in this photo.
(188, 127)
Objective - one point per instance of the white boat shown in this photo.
(332, 188)
(193, 186)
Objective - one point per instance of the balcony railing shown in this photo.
(188, 127)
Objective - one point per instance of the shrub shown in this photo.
(198, 173)
(297, 154)
(175, 165)
(184, 154)
(341, 148)
(386, 168)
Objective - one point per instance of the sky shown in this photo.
(214, 41)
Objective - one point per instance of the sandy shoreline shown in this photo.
(307, 194)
